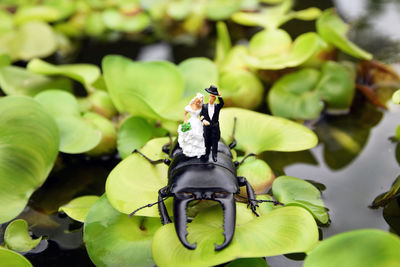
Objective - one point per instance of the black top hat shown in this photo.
(212, 90)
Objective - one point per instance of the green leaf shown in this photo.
(241, 88)
(100, 102)
(294, 95)
(221, 9)
(135, 182)
(13, 259)
(83, 73)
(256, 132)
(77, 134)
(396, 97)
(293, 191)
(29, 141)
(5, 60)
(147, 89)
(34, 39)
(94, 25)
(300, 51)
(385, 198)
(270, 43)
(114, 239)
(133, 134)
(223, 42)
(366, 247)
(258, 173)
(281, 231)
(198, 73)
(18, 81)
(333, 30)
(17, 238)
(253, 262)
(36, 13)
(79, 207)
(336, 85)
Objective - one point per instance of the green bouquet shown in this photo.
(186, 127)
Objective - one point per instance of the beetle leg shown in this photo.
(165, 219)
(237, 163)
(251, 196)
(166, 161)
(232, 145)
(229, 209)
(167, 147)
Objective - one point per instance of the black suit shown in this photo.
(212, 133)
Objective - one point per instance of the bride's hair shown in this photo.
(198, 96)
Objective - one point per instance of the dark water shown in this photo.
(353, 172)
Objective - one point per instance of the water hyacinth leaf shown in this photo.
(136, 23)
(5, 60)
(267, 132)
(369, 247)
(36, 13)
(385, 198)
(235, 59)
(108, 142)
(133, 134)
(6, 22)
(198, 73)
(221, 9)
(241, 88)
(101, 103)
(77, 134)
(135, 182)
(179, 10)
(34, 39)
(336, 86)
(29, 146)
(114, 239)
(301, 50)
(270, 43)
(78, 208)
(281, 231)
(94, 25)
(83, 73)
(19, 81)
(223, 42)
(293, 191)
(333, 30)
(17, 238)
(396, 97)
(307, 14)
(258, 173)
(294, 95)
(148, 89)
(13, 259)
(254, 262)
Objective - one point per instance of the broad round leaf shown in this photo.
(258, 173)
(148, 89)
(256, 132)
(135, 182)
(281, 231)
(17, 238)
(77, 134)
(336, 85)
(396, 97)
(270, 43)
(114, 239)
(294, 95)
(13, 259)
(221, 9)
(333, 30)
(253, 262)
(198, 73)
(302, 49)
(29, 140)
(18, 81)
(133, 134)
(293, 191)
(365, 247)
(83, 73)
(34, 39)
(5, 60)
(36, 13)
(78, 208)
(241, 88)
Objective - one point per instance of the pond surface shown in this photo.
(355, 160)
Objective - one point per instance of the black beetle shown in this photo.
(191, 178)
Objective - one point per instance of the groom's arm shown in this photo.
(221, 101)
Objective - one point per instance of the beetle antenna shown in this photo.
(262, 200)
(147, 206)
(232, 145)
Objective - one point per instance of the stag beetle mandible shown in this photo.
(191, 178)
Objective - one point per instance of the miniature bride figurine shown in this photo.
(190, 133)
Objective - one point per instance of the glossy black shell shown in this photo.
(195, 175)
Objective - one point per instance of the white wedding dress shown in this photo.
(192, 141)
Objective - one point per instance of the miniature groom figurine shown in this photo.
(209, 115)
